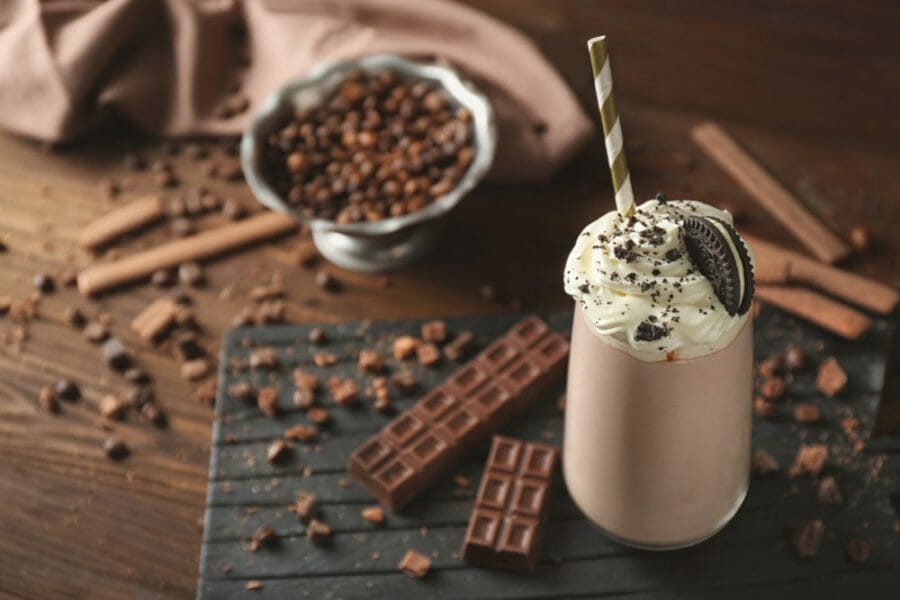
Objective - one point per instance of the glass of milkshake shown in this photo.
(659, 399)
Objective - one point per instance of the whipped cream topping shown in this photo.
(639, 290)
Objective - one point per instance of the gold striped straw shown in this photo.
(612, 127)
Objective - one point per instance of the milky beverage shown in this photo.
(659, 397)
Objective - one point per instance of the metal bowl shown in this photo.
(390, 243)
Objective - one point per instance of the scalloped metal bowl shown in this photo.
(390, 243)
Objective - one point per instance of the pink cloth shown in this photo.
(165, 65)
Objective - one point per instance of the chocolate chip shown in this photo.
(317, 336)
(66, 390)
(75, 317)
(44, 283)
(191, 273)
(47, 399)
(115, 354)
(327, 282)
(304, 507)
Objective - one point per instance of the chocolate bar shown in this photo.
(507, 523)
(421, 443)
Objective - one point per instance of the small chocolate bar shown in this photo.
(423, 442)
(507, 523)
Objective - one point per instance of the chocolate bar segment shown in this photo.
(422, 443)
(508, 521)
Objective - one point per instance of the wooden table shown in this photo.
(812, 88)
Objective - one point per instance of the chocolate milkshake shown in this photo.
(659, 397)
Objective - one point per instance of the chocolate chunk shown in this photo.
(434, 332)
(75, 317)
(267, 401)
(113, 407)
(512, 505)
(305, 380)
(828, 491)
(115, 354)
(152, 323)
(66, 390)
(253, 585)
(324, 359)
(771, 366)
(763, 463)
(263, 535)
(344, 392)
(772, 388)
(319, 416)
(371, 361)
(277, 451)
(458, 348)
(807, 538)
(719, 253)
(404, 347)
(264, 358)
(650, 332)
(305, 507)
(764, 408)
(318, 532)
(428, 355)
(414, 564)
(806, 413)
(832, 379)
(810, 460)
(115, 449)
(373, 514)
(405, 381)
(301, 433)
(317, 336)
(242, 390)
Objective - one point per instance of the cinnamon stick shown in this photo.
(122, 220)
(769, 193)
(778, 265)
(196, 247)
(816, 308)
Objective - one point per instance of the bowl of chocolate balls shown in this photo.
(371, 154)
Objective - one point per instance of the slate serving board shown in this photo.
(750, 558)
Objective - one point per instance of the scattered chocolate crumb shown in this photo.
(810, 460)
(404, 347)
(267, 292)
(253, 585)
(771, 366)
(137, 397)
(113, 407)
(405, 381)
(860, 238)
(772, 389)
(196, 369)
(414, 564)
(277, 451)
(264, 358)
(807, 538)
(190, 273)
(859, 550)
(763, 463)
(267, 401)
(301, 433)
(649, 332)
(263, 535)
(187, 347)
(829, 492)
(66, 390)
(344, 392)
(317, 336)
(305, 380)
(794, 357)
(152, 413)
(318, 532)
(459, 347)
(47, 399)
(371, 361)
(763, 408)
(462, 481)
(318, 415)
(434, 331)
(227, 568)
(428, 355)
(136, 375)
(373, 514)
(115, 449)
(832, 378)
(115, 354)
(44, 283)
(305, 507)
(806, 413)
(303, 398)
(324, 359)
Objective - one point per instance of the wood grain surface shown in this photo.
(810, 88)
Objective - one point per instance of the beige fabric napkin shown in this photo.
(166, 64)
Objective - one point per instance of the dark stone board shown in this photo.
(750, 558)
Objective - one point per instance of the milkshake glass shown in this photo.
(659, 398)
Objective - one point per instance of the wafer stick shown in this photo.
(777, 265)
(203, 245)
(122, 220)
(769, 193)
(816, 308)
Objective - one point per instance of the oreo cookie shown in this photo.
(719, 253)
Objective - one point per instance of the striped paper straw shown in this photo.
(612, 127)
